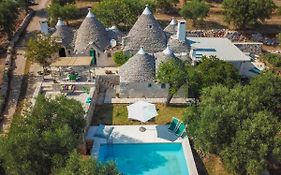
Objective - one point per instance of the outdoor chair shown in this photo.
(174, 124)
(180, 130)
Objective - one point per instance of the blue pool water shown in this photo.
(146, 159)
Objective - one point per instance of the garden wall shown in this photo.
(4, 91)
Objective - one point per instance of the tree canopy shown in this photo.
(78, 165)
(271, 58)
(166, 5)
(211, 71)
(172, 72)
(122, 13)
(66, 12)
(40, 49)
(41, 141)
(9, 12)
(196, 10)
(241, 124)
(120, 58)
(243, 14)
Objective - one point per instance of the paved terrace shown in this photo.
(153, 134)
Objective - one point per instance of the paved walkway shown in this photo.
(19, 66)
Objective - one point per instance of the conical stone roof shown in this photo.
(115, 33)
(139, 68)
(178, 46)
(63, 33)
(146, 33)
(171, 29)
(164, 56)
(91, 31)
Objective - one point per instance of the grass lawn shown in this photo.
(117, 114)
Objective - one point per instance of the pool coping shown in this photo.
(190, 162)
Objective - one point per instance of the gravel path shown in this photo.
(20, 63)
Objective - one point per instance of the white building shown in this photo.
(222, 48)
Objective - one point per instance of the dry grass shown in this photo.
(214, 165)
(116, 114)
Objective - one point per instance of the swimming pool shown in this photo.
(146, 159)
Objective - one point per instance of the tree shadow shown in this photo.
(103, 115)
(198, 161)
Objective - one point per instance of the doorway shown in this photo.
(62, 52)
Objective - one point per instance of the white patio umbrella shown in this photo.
(142, 111)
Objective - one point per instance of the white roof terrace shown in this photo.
(223, 48)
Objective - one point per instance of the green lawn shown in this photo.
(116, 114)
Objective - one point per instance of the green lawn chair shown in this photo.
(174, 124)
(180, 130)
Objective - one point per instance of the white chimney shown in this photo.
(44, 26)
(181, 33)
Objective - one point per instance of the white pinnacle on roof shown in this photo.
(173, 21)
(90, 14)
(60, 22)
(168, 51)
(141, 51)
(146, 11)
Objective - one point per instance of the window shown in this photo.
(163, 86)
(98, 54)
(150, 26)
(149, 85)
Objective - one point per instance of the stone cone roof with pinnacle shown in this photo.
(91, 31)
(171, 29)
(164, 56)
(177, 46)
(63, 33)
(146, 33)
(139, 68)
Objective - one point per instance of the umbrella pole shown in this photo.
(142, 128)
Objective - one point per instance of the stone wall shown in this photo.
(141, 90)
(4, 91)
(108, 81)
(253, 48)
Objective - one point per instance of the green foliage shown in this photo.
(211, 71)
(243, 14)
(274, 59)
(120, 58)
(79, 166)
(40, 49)
(42, 140)
(23, 4)
(215, 71)
(9, 12)
(241, 124)
(195, 10)
(253, 143)
(174, 73)
(66, 12)
(166, 5)
(119, 12)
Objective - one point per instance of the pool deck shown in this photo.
(153, 134)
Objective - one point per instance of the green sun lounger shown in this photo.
(174, 124)
(180, 130)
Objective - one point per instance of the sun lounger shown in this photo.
(180, 130)
(174, 124)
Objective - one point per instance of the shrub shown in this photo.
(120, 58)
(274, 59)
